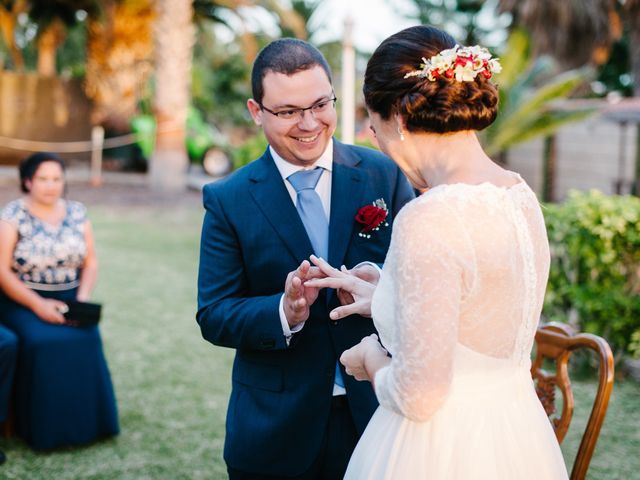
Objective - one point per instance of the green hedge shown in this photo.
(594, 282)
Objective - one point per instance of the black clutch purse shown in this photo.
(82, 314)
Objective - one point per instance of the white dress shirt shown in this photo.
(323, 189)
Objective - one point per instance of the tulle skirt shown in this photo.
(491, 427)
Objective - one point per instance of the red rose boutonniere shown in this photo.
(372, 217)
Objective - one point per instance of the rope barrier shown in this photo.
(95, 146)
(66, 147)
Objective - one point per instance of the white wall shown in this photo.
(587, 154)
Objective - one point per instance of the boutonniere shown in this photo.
(372, 217)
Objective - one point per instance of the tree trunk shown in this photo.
(502, 158)
(550, 156)
(174, 39)
(119, 61)
(48, 42)
(635, 188)
(8, 27)
(633, 23)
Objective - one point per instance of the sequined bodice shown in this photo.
(47, 257)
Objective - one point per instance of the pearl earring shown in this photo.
(401, 133)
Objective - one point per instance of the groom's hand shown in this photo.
(298, 298)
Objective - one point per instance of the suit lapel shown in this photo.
(273, 199)
(347, 187)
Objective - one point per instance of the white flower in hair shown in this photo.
(462, 63)
(494, 65)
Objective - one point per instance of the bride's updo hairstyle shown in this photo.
(440, 105)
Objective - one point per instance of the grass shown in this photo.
(172, 386)
(616, 454)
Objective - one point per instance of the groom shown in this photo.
(293, 412)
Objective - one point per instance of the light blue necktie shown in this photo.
(315, 222)
(310, 209)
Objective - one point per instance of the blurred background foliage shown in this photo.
(594, 282)
(110, 44)
(529, 89)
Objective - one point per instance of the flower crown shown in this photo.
(462, 63)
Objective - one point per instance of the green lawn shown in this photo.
(172, 387)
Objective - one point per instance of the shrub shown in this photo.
(594, 282)
(249, 150)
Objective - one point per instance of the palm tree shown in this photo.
(53, 18)
(119, 60)
(632, 16)
(9, 12)
(575, 32)
(292, 21)
(527, 108)
(174, 38)
(221, 11)
(296, 21)
(526, 100)
(175, 33)
(581, 31)
(460, 17)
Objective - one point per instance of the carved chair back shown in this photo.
(557, 342)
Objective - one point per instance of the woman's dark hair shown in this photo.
(440, 106)
(30, 165)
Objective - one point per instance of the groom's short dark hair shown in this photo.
(287, 56)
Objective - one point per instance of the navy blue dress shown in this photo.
(63, 390)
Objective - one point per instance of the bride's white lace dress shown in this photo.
(457, 305)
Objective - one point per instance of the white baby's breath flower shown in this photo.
(465, 73)
(466, 63)
(495, 66)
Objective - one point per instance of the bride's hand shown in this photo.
(365, 359)
(364, 271)
(361, 291)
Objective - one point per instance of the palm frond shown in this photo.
(537, 100)
(527, 107)
(542, 125)
(288, 17)
(515, 59)
(573, 31)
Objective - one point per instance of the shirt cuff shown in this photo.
(374, 265)
(286, 330)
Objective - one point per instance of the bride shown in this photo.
(459, 298)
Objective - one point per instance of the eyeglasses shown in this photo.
(296, 114)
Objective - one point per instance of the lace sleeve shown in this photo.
(430, 257)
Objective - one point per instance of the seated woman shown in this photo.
(64, 394)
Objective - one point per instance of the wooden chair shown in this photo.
(557, 342)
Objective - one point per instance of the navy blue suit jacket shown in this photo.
(252, 237)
